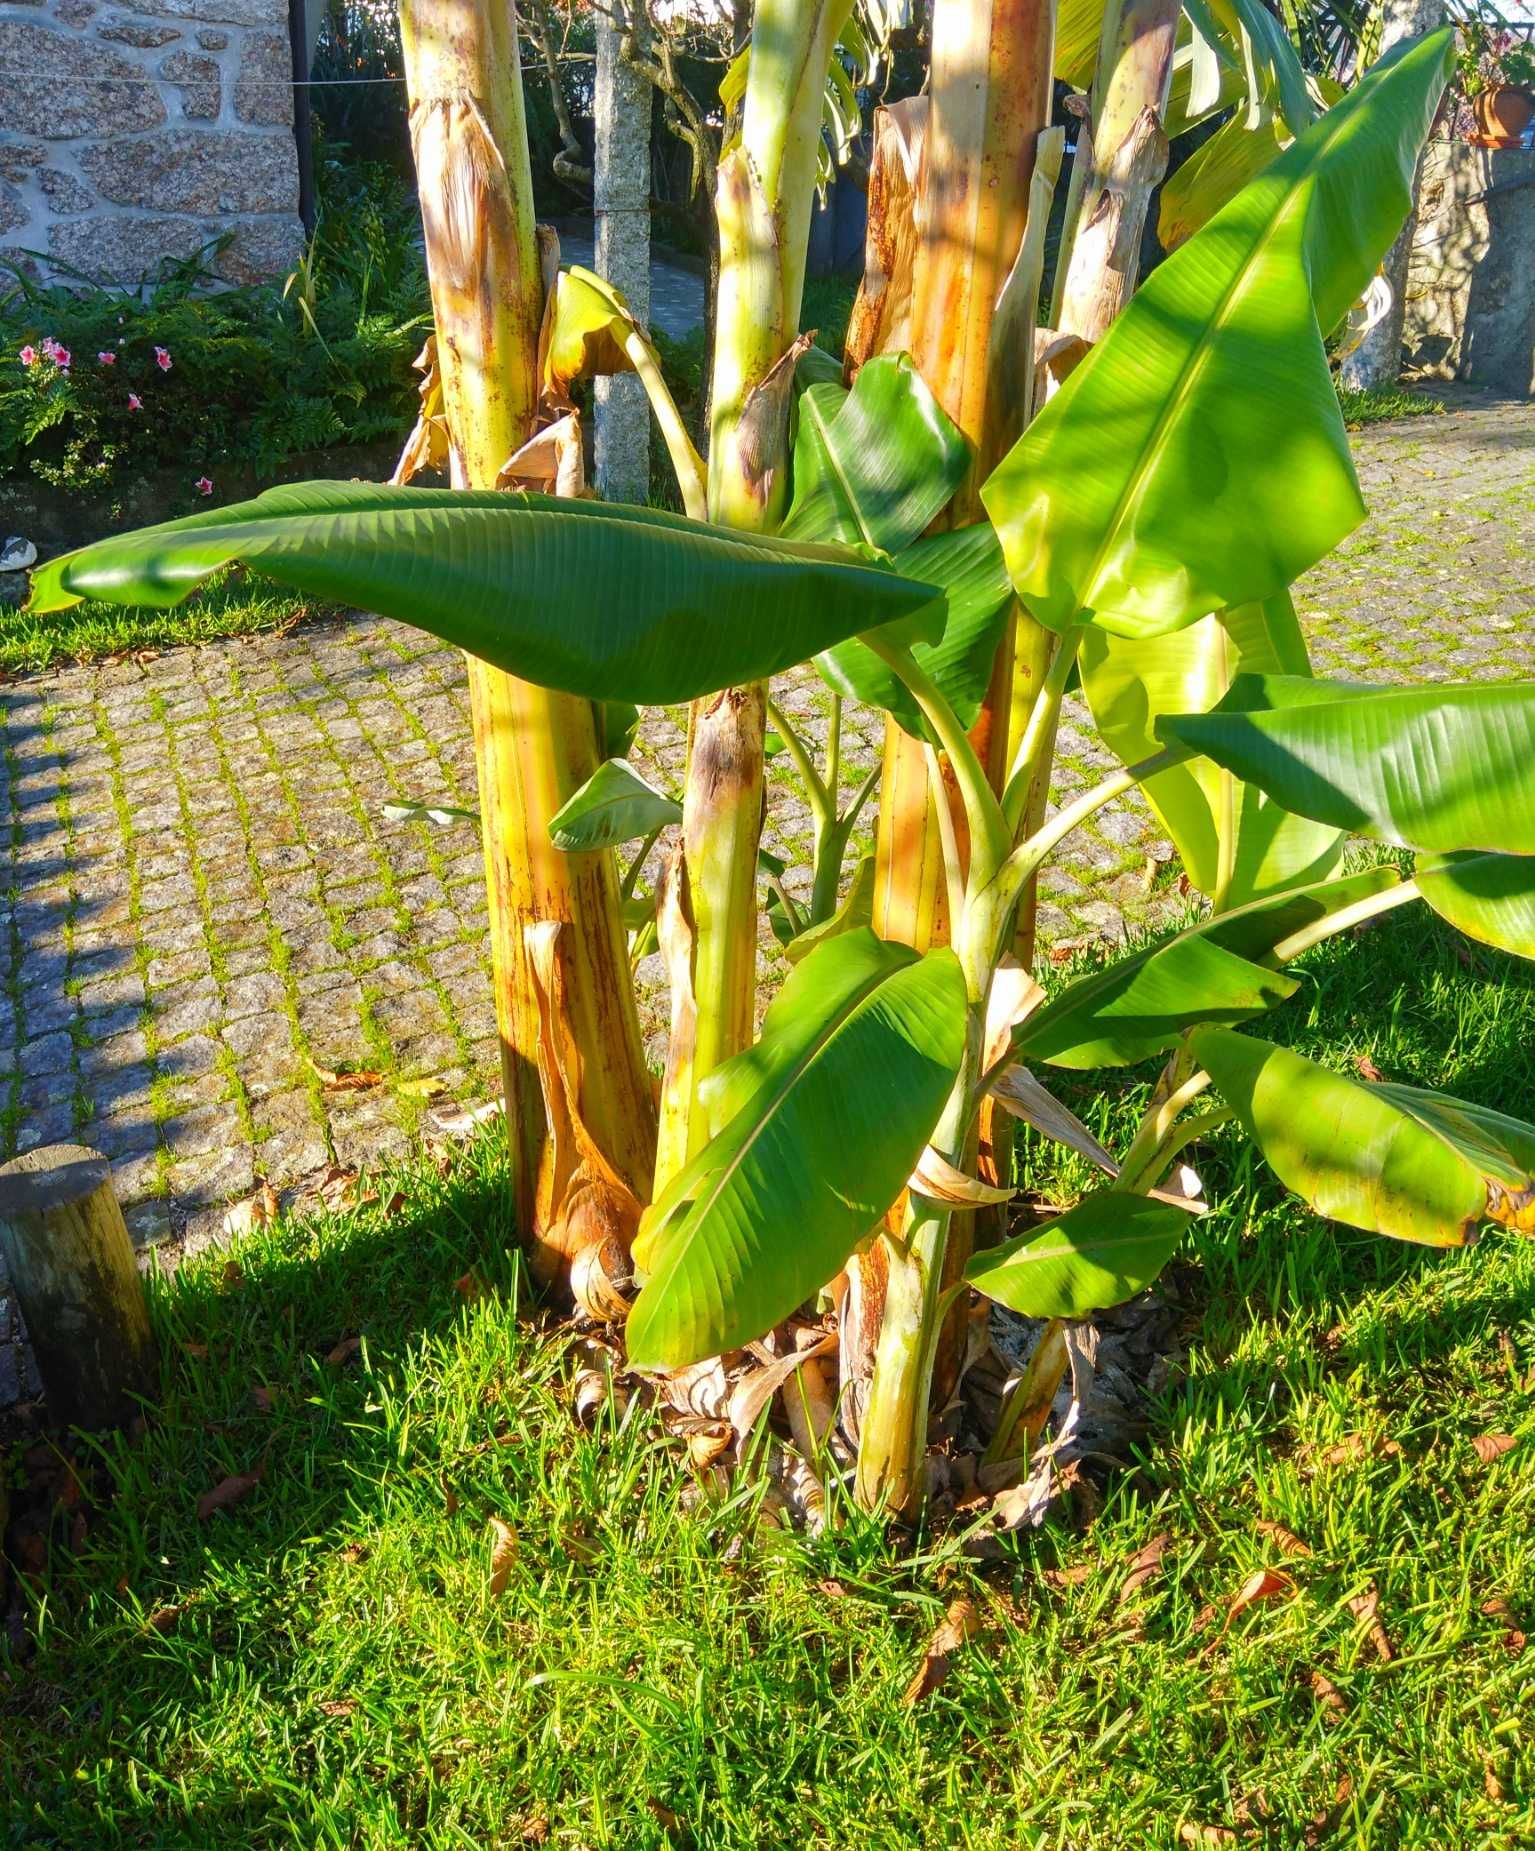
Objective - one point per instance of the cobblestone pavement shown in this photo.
(208, 916)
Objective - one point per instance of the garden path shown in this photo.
(206, 913)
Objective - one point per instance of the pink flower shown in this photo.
(107, 359)
(28, 355)
(163, 359)
(60, 357)
(135, 403)
(204, 485)
(49, 345)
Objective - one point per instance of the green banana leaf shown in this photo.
(1487, 896)
(1215, 173)
(1197, 458)
(1211, 971)
(1098, 1254)
(816, 1130)
(1141, 1005)
(1236, 844)
(1439, 767)
(615, 804)
(874, 464)
(1389, 1159)
(594, 598)
(1273, 76)
(966, 566)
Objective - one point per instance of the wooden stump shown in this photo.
(71, 1265)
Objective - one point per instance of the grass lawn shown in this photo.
(324, 1663)
(1381, 404)
(235, 603)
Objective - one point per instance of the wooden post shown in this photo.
(71, 1264)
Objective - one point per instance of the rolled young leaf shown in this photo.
(598, 599)
(1236, 844)
(1487, 896)
(1197, 458)
(1389, 1159)
(816, 1130)
(1103, 1251)
(615, 804)
(1438, 767)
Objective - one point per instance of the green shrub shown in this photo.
(186, 376)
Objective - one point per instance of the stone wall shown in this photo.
(1470, 311)
(144, 129)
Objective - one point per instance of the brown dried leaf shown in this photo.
(1366, 1068)
(1069, 1577)
(449, 1496)
(468, 1286)
(1327, 1693)
(1491, 1785)
(1145, 1565)
(1491, 1446)
(262, 1399)
(256, 1211)
(1365, 1608)
(1205, 1837)
(535, 1831)
(958, 1626)
(234, 1273)
(1286, 1541)
(353, 1553)
(1262, 1584)
(708, 1442)
(343, 1352)
(228, 1492)
(338, 1706)
(197, 1351)
(754, 1390)
(503, 1553)
(165, 1619)
(357, 1080)
(1356, 1448)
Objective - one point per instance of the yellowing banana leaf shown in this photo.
(1236, 844)
(1487, 896)
(1442, 767)
(1197, 458)
(1389, 1159)
(816, 1130)
(1098, 1254)
(611, 602)
(857, 909)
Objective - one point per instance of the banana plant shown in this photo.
(1166, 496)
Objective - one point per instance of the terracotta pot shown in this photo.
(1502, 114)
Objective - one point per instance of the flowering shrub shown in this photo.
(97, 386)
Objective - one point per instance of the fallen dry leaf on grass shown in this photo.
(468, 1286)
(263, 1399)
(503, 1552)
(1069, 1577)
(1203, 1836)
(1355, 1448)
(1327, 1693)
(1262, 1584)
(958, 1626)
(1365, 1608)
(197, 1351)
(449, 1496)
(338, 1706)
(1324, 1822)
(1490, 1446)
(1286, 1541)
(1491, 1785)
(355, 1080)
(1366, 1068)
(337, 1186)
(164, 1619)
(343, 1352)
(256, 1211)
(228, 1492)
(1145, 1564)
(1497, 1608)
(234, 1273)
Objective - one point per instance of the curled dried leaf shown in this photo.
(1365, 1608)
(709, 1441)
(165, 1619)
(958, 1627)
(503, 1552)
(940, 1181)
(595, 1390)
(1206, 1837)
(256, 1211)
(1262, 1584)
(1334, 1703)
(600, 1278)
(343, 1352)
(1286, 1541)
(1146, 1564)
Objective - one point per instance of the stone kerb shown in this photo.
(131, 133)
